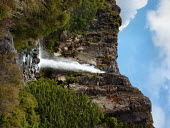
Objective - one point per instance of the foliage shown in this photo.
(35, 19)
(2, 13)
(72, 79)
(10, 82)
(50, 41)
(24, 116)
(23, 45)
(84, 14)
(112, 122)
(62, 108)
(78, 20)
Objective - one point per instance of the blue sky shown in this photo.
(144, 52)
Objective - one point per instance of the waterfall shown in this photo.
(67, 64)
(33, 60)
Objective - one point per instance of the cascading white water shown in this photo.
(65, 64)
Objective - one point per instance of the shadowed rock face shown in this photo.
(7, 44)
(111, 90)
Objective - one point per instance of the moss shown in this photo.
(25, 45)
(72, 79)
(112, 122)
(2, 13)
(64, 18)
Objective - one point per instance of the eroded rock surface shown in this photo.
(7, 44)
(98, 45)
(111, 90)
(114, 93)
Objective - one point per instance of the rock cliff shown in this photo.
(96, 46)
(111, 90)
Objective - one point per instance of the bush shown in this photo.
(72, 79)
(112, 122)
(24, 116)
(84, 14)
(63, 108)
(10, 84)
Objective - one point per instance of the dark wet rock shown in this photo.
(29, 60)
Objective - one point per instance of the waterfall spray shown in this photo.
(65, 64)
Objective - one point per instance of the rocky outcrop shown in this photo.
(7, 44)
(111, 90)
(114, 93)
(29, 60)
(98, 45)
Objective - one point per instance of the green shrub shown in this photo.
(64, 18)
(24, 116)
(63, 108)
(72, 79)
(84, 14)
(112, 122)
(10, 84)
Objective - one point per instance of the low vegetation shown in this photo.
(10, 84)
(45, 104)
(63, 108)
(112, 122)
(24, 115)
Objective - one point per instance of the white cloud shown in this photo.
(159, 25)
(158, 116)
(129, 10)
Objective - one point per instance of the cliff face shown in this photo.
(111, 90)
(96, 46)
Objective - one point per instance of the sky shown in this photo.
(144, 52)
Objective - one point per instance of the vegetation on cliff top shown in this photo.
(29, 19)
